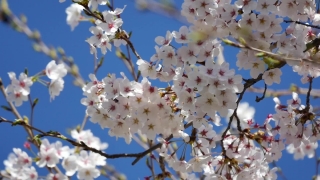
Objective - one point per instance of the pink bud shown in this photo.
(27, 145)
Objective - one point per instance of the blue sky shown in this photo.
(65, 111)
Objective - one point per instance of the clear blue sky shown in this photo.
(65, 111)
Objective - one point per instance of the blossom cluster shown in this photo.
(55, 73)
(73, 160)
(106, 27)
(297, 128)
(19, 89)
(201, 90)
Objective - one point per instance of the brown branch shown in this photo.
(258, 99)
(131, 65)
(308, 94)
(82, 145)
(127, 61)
(248, 84)
(62, 137)
(302, 23)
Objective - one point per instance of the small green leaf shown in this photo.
(53, 53)
(36, 159)
(272, 63)
(139, 74)
(34, 78)
(293, 88)
(242, 41)
(62, 137)
(60, 50)
(227, 41)
(18, 122)
(36, 47)
(121, 55)
(261, 54)
(85, 2)
(6, 108)
(26, 71)
(53, 132)
(74, 69)
(23, 18)
(101, 61)
(35, 102)
(312, 44)
(147, 162)
(37, 139)
(36, 34)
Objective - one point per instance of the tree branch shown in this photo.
(248, 84)
(302, 23)
(62, 137)
(308, 94)
(258, 99)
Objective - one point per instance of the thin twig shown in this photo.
(84, 121)
(248, 84)
(308, 94)
(302, 23)
(258, 99)
(132, 48)
(131, 65)
(32, 105)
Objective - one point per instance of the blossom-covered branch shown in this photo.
(56, 134)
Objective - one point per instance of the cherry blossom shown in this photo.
(111, 24)
(94, 3)
(54, 71)
(182, 35)
(15, 96)
(164, 41)
(74, 15)
(55, 87)
(271, 76)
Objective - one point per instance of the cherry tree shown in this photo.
(194, 124)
